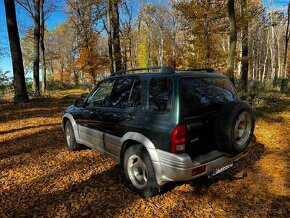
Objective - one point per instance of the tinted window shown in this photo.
(121, 93)
(101, 96)
(135, 97)
(202, 95)
(159, 94)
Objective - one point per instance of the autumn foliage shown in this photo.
(39, 177)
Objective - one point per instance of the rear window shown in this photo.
(202, 95)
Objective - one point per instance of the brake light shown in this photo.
(198, 170)
(178, 139)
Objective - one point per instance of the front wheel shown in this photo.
(139, 171)
(70, 138)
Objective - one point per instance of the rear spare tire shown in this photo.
(234, 127)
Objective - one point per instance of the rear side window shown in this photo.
(127, 93)
(160, 94)
(201, 95)
(135, 96)
(121, 92)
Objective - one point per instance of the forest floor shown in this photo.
(40, 177)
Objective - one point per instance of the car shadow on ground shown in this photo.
(96, 196)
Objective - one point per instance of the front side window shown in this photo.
(159, 94)
(101, 96)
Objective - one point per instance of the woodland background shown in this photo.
(243, 38)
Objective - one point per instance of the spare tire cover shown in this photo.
(234, 127)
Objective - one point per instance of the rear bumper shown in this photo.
(178, 167)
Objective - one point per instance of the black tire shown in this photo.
(72, 144)
(149, 188)
(226, 134)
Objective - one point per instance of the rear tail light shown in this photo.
(198, 170)
(178, 139)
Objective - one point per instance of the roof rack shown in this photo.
(208, 70)
(163, 69)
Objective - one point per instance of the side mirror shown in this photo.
(79, 103)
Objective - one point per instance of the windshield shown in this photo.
(202, 95)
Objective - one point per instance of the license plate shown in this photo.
(222, 168)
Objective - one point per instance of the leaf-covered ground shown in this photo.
(39, 177)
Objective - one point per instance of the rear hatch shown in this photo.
(203, 97)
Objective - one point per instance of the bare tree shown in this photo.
(37, 10)
(20, 93)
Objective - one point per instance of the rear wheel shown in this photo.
(234, 127)
(70, 138)
(139, 171)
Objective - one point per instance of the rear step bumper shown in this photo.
(179, 167)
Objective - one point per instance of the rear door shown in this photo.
(123, 113)
(159, 115)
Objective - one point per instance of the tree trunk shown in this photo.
(265, 62)
(131, 52)
(36, 47)
(62, 73)
(245, 48)
(125, 60)
(20, 93)
(286, 42)
(207, 63)
(273, 58)
(109, 9)
(233, 39)
(278, 55)
(116, 36)
(149, 49)
(42, 31)
(161, 57)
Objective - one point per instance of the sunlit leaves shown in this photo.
(40, 177)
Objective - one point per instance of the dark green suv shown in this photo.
(162, 127)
